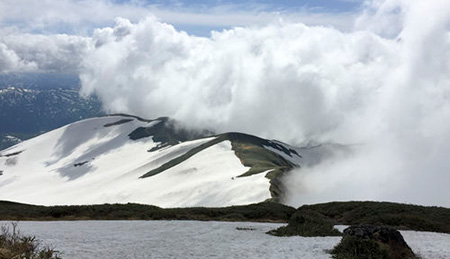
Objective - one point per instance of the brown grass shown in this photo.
(15, 245)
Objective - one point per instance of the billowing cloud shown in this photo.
(49, 53)
(405, 158)
(283, 80)
(387, 91)
(52, 36)
(10, 61)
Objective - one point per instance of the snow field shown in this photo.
(87, 163)
(194, 239)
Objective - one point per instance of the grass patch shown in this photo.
(259, 159)
(307, 224)
(395, 215)
(319, 219)
(260, 212)
(354, 248)
(369, 241)
(15, 245)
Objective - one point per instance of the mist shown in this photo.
(384, 86)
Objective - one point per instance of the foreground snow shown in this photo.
(193, 239)
(94, 161)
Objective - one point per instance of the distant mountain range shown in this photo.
(30, 111)
(122, 158)
(39, 81)
(33, 103)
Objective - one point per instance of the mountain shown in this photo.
(25, 113)
(122, 158)
(39, 81)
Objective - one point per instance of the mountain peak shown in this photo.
(125, 158)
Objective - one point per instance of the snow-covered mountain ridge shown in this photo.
(122, 158)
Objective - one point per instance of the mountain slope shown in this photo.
(123, 158)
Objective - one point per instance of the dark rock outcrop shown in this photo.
(369, 241)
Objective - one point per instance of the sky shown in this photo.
(373, 74)
(195, 17)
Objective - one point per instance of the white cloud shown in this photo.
(240, 77)
(388, 91)
(50, 53)
(52, 35)
(405, 160)
(10, 61)
(77, 16)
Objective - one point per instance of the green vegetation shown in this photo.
(355, 248)
(372, 242)
(15, 245)
(252, 153)
(308, 220)
(308, 224)
(319, 219)
(261, 212)
(398, 216)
